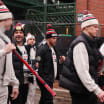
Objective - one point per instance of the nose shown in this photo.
(18, 34)
(97, 28)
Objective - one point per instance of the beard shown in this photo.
(52, 44)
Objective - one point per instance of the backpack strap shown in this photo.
(4, 67)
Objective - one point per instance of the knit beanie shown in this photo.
(4, 12)
(18, 27)
(50, 32)
(29, 36)
(88, 20)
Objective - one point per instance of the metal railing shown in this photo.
(61, 16)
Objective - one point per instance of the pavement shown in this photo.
(62, 95)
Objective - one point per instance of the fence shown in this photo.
(61, 16)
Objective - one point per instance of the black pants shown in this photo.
(83, 99)
(22, 97)
(46, 97)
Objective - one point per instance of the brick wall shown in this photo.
(96, 7)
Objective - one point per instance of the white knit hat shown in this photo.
(29, 35)
(4, 12)
(88, 20)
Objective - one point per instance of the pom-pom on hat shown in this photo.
(88, 20)
(49, 26)
(4, 12)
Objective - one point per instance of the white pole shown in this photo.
(44, 1)
(53, 1)
(58, 2)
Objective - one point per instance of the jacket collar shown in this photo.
(48, 46)
(90, 40)
(2, 29)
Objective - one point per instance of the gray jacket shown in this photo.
(9, 77)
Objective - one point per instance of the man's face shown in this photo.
(18, 36)
(52, 41)
(31, 41)
(93, 30)
(8, 23)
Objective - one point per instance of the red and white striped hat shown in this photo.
(4, 12)
(51, 33)
(88, 20)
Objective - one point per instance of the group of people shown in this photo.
(17, 82)
(80, 65)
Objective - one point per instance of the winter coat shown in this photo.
(69, 78)
(46, 68)
(7, 76)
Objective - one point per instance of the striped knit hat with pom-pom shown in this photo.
(50, 32)
(18, 27)
(88, 20)
(4, 12)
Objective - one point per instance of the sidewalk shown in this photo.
(62, 95)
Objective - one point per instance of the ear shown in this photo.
(86, 28)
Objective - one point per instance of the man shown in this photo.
(19, 67)
(80, 68)
(7, 75)
(48, 65)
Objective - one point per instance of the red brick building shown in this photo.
(96, 7)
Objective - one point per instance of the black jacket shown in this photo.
(46, 70)
(18, 65)
(69, 78)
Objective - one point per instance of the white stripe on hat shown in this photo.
(4, 12)
(5, 15)
(89, 23)
(54, 35)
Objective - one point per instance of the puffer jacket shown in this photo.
(69, 78)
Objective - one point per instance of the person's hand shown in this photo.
(15, 93)
(62, 59)
(9, 47)
(37, 65)
(101, 96)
